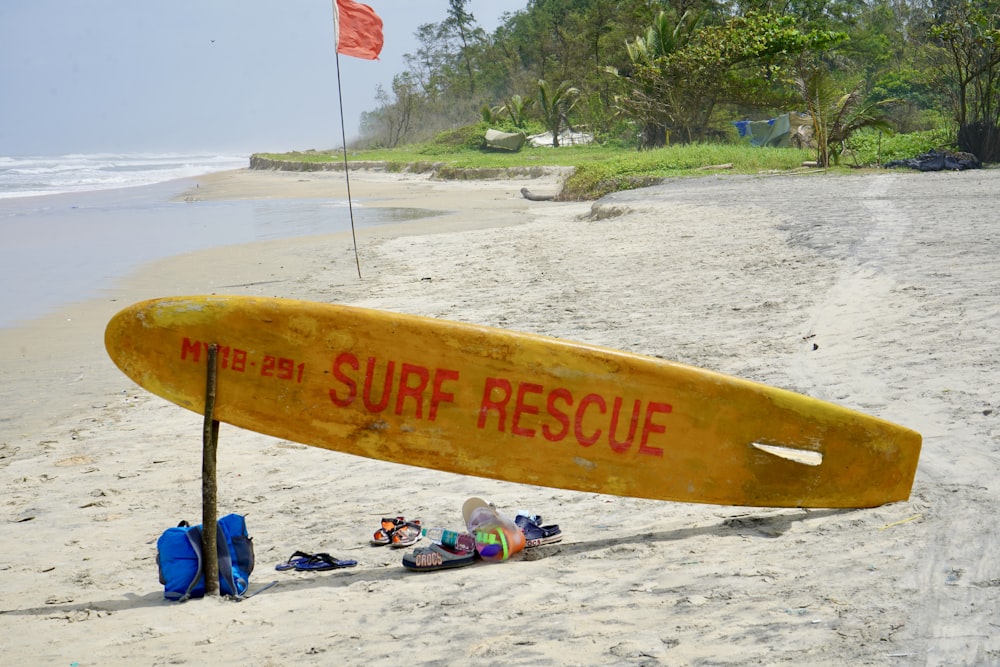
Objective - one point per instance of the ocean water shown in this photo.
(33, 176)
(71, 226)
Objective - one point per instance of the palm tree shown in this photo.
(555, 106)
(836, 116)
(663, 38)
(649, 100)
(517, 109)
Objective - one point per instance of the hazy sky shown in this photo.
(232, 76)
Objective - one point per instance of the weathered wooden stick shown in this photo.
(209, 494)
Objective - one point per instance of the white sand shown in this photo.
(895, 277)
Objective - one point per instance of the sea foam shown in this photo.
(32, 176)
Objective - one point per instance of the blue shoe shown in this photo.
(535, 534)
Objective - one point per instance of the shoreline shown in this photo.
(883, 301)
(41, 346)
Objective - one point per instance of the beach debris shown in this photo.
(507, 141)
(934, 160)
(566, 138)
(530, 196)
(902, 521)
(8, 451)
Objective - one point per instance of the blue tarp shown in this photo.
(772, 132)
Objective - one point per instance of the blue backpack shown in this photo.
(178, 557)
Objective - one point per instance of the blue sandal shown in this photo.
(322, 562)
(293, 561)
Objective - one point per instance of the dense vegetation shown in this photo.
(600, 169)
(876, 80)
(642, 73)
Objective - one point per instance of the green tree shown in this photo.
(966, 56)
(517, 109)
(462, 25)
(427, 64)
(681, 75)
(559, 40)
(837, 115)
(739, 61)
(663, 37)
(555, 104)
(391, 124)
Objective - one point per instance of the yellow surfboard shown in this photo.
(518, 407)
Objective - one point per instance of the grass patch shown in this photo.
(598, 170)
(871, 147)
(626, 170)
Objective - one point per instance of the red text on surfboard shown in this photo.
(523, 409)
(410, 384)
(587, 419)
(235, 359)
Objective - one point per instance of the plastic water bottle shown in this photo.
(450, 538)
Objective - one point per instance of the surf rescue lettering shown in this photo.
(523, 409)
(412, 385)
(235, 359)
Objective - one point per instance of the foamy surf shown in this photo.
(33, 176)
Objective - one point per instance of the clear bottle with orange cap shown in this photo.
(450, 538)
(497, 537)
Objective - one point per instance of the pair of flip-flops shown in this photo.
(303, 562)
(397, 532)
(535, 534)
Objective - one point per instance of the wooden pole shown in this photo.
(209, 490)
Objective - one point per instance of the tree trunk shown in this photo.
(982, 139)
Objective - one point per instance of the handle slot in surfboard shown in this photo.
(803, 456)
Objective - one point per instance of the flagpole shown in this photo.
(347, 177)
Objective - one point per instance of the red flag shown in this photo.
(358, 29)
